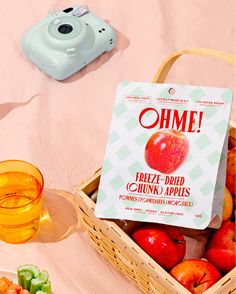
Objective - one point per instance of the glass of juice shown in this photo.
(21, 186)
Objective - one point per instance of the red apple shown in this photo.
(196, 275)
(221, 248)
(166, 150)
(165, 244)
(231, 171)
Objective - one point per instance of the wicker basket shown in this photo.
(117, 247)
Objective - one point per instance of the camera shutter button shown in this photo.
(80, 11)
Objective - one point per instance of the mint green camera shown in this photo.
(66, 41)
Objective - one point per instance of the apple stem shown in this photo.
(179, 241)
(199, 282)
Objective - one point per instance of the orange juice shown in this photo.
(20, 206)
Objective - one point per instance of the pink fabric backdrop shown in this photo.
(62, 127)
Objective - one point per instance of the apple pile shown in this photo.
(166, 244)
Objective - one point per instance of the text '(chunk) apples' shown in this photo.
(231, 171)
(166, 150)
(221, 248)
(196, 275)
(165, 244)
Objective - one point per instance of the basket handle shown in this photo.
(169, 61)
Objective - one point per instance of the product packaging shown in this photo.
(165, 160)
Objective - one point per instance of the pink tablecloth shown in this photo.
(62, 127)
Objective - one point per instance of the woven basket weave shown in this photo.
(118, 248)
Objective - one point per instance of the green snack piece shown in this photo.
(26, 273)
(31, 279)
(24, 279)
(36, 284)
(47, 287)
(29, 267)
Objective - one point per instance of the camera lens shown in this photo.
(65, 29)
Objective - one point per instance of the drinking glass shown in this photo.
(21, 186)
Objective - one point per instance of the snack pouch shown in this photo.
(165, 160)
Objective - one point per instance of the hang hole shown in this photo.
(171, 91)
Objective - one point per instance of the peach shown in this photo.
(231, 171)
(228, 205)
